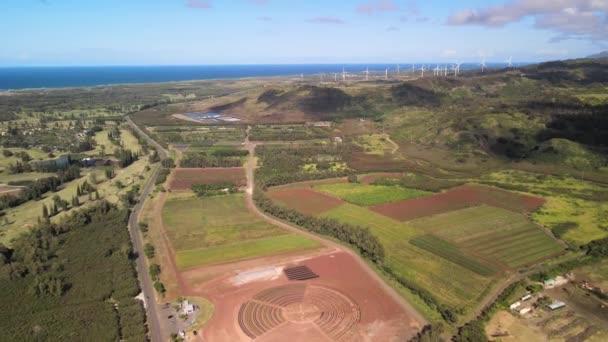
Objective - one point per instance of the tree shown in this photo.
(109, 172)
(352, 178)
(149, 250)
(45, 212)
(154, 271)
(160, 288)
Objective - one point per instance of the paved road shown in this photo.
(152, 309)
(250, 146)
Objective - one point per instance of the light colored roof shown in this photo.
(556, 305)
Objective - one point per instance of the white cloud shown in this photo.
(570, 18)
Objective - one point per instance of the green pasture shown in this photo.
(367, 195)
(217, 229)
(243, 250)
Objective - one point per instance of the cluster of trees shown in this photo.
(125, 157)
(214, 189)
(280, 165)
(365, 242)
(288, 133)
(35, 189)
(43, 284)
(223, 158)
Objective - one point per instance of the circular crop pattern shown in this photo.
(331, 311)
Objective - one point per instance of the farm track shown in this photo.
(371, 273)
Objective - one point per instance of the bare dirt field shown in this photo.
(342, 304)
(305, 200)
(459, 198)
(183, 178)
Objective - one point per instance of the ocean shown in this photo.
(15, 78)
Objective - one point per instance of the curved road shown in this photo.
(250, 146)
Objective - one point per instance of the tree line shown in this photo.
(361, 238)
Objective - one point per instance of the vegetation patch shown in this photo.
(217, 229)
(183, 179)
(367, 195)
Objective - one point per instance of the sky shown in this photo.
(197, 32)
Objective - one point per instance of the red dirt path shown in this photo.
(306, 201)
(458, 198)
(183, 178)
(381, 317)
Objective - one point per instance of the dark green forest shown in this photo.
(72, 281)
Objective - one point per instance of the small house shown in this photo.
(187, 307)
(556, 305)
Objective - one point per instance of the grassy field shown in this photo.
(450, 283)
(373, 144)
(576, 210)
(25, 216)
(5, 178)
(495, 238)
(218, 229)
(366, 195)
(34, 153)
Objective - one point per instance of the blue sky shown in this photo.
(153, 32)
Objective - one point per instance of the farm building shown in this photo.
(514, 305)
(187, 307)
(525, 311)
(556, 305)
(526, 297)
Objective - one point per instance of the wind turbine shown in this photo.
(445, 68)
(457, 71)
(422, 71)
(413, 69)
(335, 77)
(366, 74)
(343, 74)
(509, 62)
(398, 69)
(436, 71)
(483, 63)
(386, 74)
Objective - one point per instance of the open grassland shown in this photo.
(18, 177)
(305, 200)
(374, 144)
(458, 198)
(183, 178)
(450, 283)
(218, 229)
(34, 153)
(596, 274)
(576, 211)
(366, 195)
(485, 239)
(22, 218)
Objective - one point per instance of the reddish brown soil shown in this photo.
(306, 201)
(371, 178)
(183, 178)
(343, 304)
(458, 198)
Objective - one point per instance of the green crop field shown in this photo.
(491, 236)
(471, 222)
(220, 228)
(450, 283)
(367, 195)
(451, 252)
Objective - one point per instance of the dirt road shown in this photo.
(250, 146)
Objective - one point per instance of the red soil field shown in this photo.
(343, 304)
(371, 178)
(306, 201)
(183, 178)
(458, 198)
